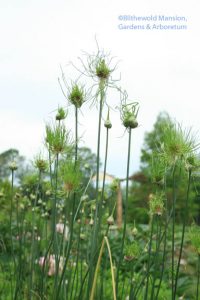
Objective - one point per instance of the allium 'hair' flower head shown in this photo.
(132, 251)
(99, 67)
(76, 95)
(61, 114)
(40, 163)
(156, 204)
(71, 176)
(178, 143)
(192, 162)
(129, 112)
(157, 169)
(57, 138)
(102, 70)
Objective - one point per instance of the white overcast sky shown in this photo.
(160, 69)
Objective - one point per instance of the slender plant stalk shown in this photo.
(33, 240)
(173, 230)
(11, 232)
(104, 178)
(155, 261)
(198, 277)
(94, 236)
(131, 283)
(125, 210)
(76, 267)
(55, 237)
(163, 258)
(57, 292)
(53, 240)
(183, 232)
(149, 259)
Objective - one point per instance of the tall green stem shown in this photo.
(155, 260)
(173, 229)
(125, 210)
(94, 233)
(198, 277)
(11, 233)
(183, 231)
(33, 240)
(163, 257)
(104, 178)
(149, 259)
(57, 292)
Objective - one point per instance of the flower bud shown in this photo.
(134, 231)
(13, 166)
(130, 121)
(108, 124)
(61, 114)
(91, 222)
(110, 220)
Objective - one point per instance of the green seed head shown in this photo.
(41, 164)
(129, 113)
(192, 162)
(157, 169)
(57, 138)
(132, 251)
(156, 204)
(71, 176)
(13, 166)
(130, 120)
(102, 70)
(61, 114)
(178, 144)
(76, 95)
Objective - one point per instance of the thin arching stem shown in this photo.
(125, 209)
